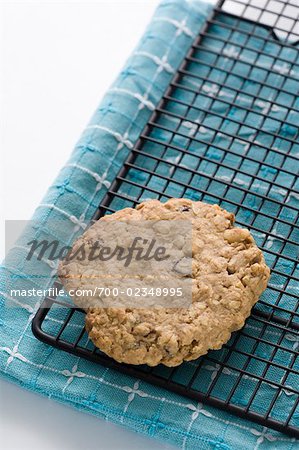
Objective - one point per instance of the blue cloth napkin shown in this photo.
(74, 197)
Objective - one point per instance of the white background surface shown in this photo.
(29, 421)
(58, 59)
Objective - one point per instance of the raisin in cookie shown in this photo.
(229, 274)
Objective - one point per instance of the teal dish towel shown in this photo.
(74, 196)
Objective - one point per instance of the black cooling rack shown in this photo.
(238, 74)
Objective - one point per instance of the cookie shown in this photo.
(229, 274)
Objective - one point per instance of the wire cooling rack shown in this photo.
(226, 132)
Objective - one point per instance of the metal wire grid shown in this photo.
(280, 15)
(225, 132)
